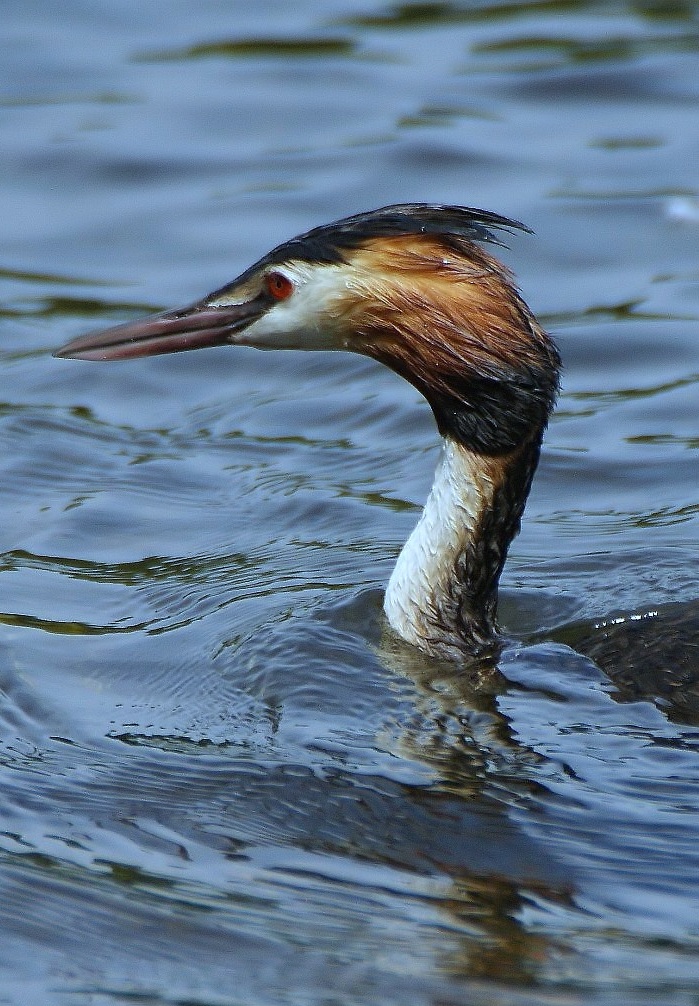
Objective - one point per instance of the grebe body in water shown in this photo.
(412, 287)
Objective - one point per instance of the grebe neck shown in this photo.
(442, 594)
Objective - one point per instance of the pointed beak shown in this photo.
(191, 327)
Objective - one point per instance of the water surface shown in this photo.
(221, 781)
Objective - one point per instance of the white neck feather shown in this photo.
(423, 583)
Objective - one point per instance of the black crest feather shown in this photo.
(327, 243)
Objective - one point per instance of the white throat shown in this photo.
(427, 582)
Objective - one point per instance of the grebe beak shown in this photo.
(192, 327)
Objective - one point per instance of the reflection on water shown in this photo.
(221, 780)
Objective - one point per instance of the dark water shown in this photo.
(220, 783)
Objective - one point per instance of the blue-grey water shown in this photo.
(220, 781)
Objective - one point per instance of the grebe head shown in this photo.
(410, 286)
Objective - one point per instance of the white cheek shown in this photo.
(308, 319)
(287, 326)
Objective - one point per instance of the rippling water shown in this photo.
(221, 782)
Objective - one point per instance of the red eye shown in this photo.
(278, 285)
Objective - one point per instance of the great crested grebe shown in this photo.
(408, 286)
